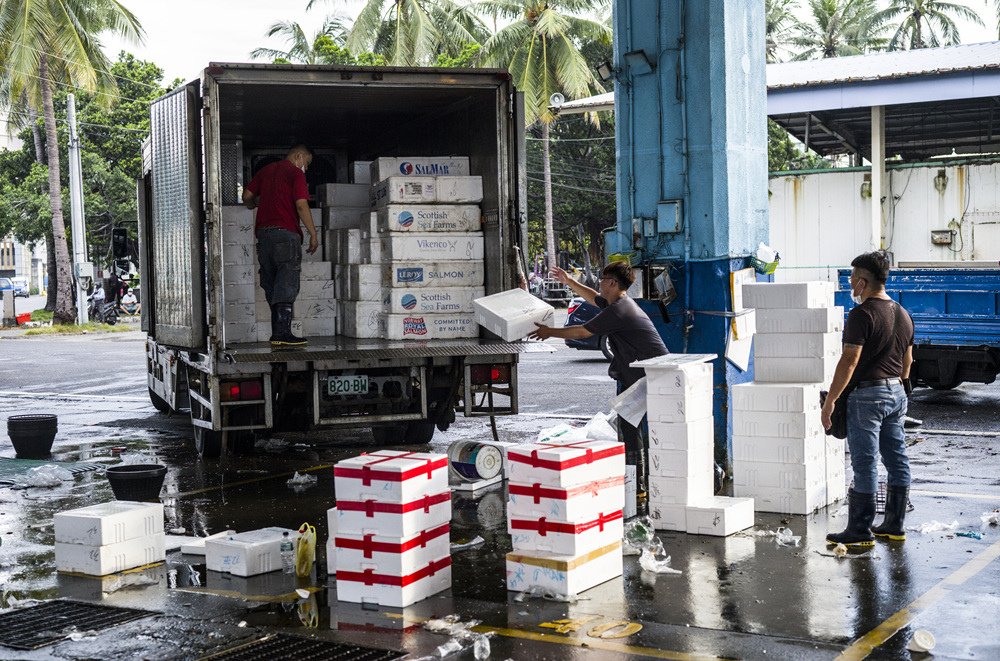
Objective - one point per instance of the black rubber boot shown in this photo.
(281, 327)
(860, 514)
(896, 500)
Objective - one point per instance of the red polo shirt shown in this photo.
(278, 186)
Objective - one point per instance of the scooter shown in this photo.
(103, 311)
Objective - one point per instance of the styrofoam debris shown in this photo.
(933, 526)
(476, 541)
(991, 518)
(840, 551)
(47, 475)
(140, 457)
(301, 480)
(784, 537)
(481, 648)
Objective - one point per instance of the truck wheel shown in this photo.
(159, 403)
(605, 343)
(207, 442)
(419, 432)
(942, 386)
(389, 434)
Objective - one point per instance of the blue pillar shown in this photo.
(691, 129)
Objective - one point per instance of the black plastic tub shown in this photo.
(137, 482)
(32, 435)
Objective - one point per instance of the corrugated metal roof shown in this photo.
(884, 66)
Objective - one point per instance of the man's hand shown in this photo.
(560, 275)
(313, 243)
(826, 414)
(542, 332)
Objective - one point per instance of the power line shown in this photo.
(599, 180)
(137, 82)
(83, 89)
(576, 188)
(555, 140)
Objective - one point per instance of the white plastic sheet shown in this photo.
(631, 404)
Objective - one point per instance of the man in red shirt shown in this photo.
(280, 195)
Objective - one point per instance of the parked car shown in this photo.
(578, 313)
(5, 284)
(21, 287)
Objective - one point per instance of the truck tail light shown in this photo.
(486, 374)
(232, 391)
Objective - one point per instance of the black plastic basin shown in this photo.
(32, 435)
(137, 482)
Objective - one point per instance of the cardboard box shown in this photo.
(778, 425)
(574, 504)
(247, 553)
(680, 435)
(783, 501)
(565, 466)
(107, 559)
(395, 556)
(668, 516)
(445, 300)
(692, 488)
(395, 476)
(786, 295)
(342, 195)
(693, 405)
(774, 450)
(429, 218)
(439, 246)
(383, 589)
(779, 397)
(696, 458)
(406, 166)
(720, 516)
(550, 535)
(685, 379)
(815, 320)
(430, 326)
(512, 314)
(785, 370)
(779, 476)
(362, 319)
(797, 345)
(336, 218)
(361, 172)
(467, 273)
(108, 523)
(565, 575)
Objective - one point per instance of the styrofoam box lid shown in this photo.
(560, 455)
(252, 537)
(673, 361)
(511, 304)
(109, 513)
(391, 461)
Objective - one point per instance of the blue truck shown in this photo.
(956, 316)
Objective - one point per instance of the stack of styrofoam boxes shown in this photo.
(679, 403)
(247, 553)
(781, 455)
(111, 537)
(565, 515)
(392, 540)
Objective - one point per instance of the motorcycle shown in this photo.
(103, 311)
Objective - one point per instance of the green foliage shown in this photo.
(784, 154)
(925, 23)
(329, 51)
(837, 28)
(24, 198)
(467, 57)
(300, 48)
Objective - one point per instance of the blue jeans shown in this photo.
(279, 253)
(875, 426)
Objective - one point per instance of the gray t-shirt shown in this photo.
(631, 334)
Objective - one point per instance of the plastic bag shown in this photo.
(631, 404)
(48, 475)
(561, 433)
(765, 253)
(305, 550)
(140, 457)
(599, 429)
(655, 560)
(784, 537)
(991, 518)
(933, 526)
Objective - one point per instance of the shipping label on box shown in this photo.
(783, 501)
(792, 370)
(110, 558)
(797, 345)
(408, 166)
(512, 314)
(108, 523)
(779, 476)
(720, 516)
(668, 516)
(551, 535)
(430, 326)
(370, 513)
(396, 556)
(403, 190)
(815, 320)
(342, 195)
(680, 435)
(399, 477)
(788, 295)
(779, 425)
(679, 408)
(432, 247)
(682, 490)
(574, 504)
(372, 587)
(566, 465)
(470, 273)
(779, 397)
(247, 553)
(431, 301)
(697, 457)
(562, 574)
(778, 450)
(429, 218)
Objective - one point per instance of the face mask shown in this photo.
(856, 297)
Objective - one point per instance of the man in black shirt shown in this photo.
(632, 337)
(874, 369)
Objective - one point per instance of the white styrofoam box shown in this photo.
(247, 332)
(812, 320)
(331, 521)
(406, 166)
(107, 559)
(437, 246)
(241, 313)
(566, 465)
(785, 295)
(697, 457)
(245, 274)
(680, 435)
(247, 553)
(362, 319)
(783, 501)
(350, 244)
(512, 314)
(784, 370)
(322, 327)
(313, 308)
(395, 476)
(668, 516)
(720, 516)
(683, 379)
(373, 514)
(108, 523)
(631, 493)
(836, 469)
(796, 345)
(572, 504)
(806, 424)
(236, 254)
(342, 195)
(460, 190)
(779, 476)
(466, 273)
(375, 588)
(551, 535)
(317, 289)
(562, 574)
(197, 546)
(395, 556)
(780, 397)
(317, 217)
(403, 190)
(361, 172)
(373, 250)
(778, 450)
(316, 271)
(335, 218)
(836, 488)
(693, 405)
(443, 300)
(365, 283)
(240, 292)
(429, 218)
(331, 557)
(692, 488)
(239, 233)
(430, 326)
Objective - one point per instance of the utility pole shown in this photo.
(80, 263)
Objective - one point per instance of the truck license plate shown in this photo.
(355, 384)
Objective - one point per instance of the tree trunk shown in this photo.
(65, 311)
(550, 231)
(36, 135)
(50, 269)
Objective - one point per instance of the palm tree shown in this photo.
(925, 23)
(779, 18)
(541, 49)
(56, 42)
(301, 49)
(838, 28)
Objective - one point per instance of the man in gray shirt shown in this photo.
(632, 337)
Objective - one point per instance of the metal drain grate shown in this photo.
(282, 646)
(37, 626)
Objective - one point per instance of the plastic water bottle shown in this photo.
(287, 554)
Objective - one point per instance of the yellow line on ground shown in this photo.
(956, 494)
(869, 642)
(241, 483)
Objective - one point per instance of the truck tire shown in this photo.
(419, 432)
(207, 442)
(605, 343)
(159, 403)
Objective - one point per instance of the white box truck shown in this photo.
(208, 138)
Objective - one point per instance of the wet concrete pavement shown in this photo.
(738, 597)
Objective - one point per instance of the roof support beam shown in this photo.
(840, 134)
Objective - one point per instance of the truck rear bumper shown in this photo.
(331, 349)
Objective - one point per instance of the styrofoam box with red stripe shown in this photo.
(398, 556)
(391, 476)
(564, 574)
(565, 465)
(697, 458)
(375, 587)
(573, 504)
(564, 538)
(680, 435)
(371, 515)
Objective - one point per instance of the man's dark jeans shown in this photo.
(279, 253)
(636, 442)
